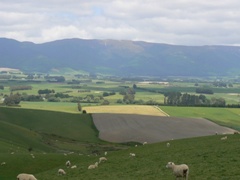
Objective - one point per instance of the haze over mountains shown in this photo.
(124, 58)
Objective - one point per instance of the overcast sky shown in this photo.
(182, 22)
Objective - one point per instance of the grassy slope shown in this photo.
(210, 158)
(47, 130)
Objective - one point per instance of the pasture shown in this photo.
(224, 116)
(96, 87)
(210, 158)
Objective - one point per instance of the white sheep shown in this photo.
(3, 163)
(74, 166)
(68, 163)
(132, 154)
(93, 166)
(102, 159)
(144, 143)
(24, 176)
(181, 170)
(224, 138)
(168, 144)
(61, 172)
(105, 153)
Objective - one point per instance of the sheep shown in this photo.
(24, 176)
(3, 163)
(105, 153)
(73, 167)
(144, 143)
(102, 159)
(93, 166)
(61, 172)
(224, 138)
(132, 154)
(181, 170)
(168, 144)
(68, 163)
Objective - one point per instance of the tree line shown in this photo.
(185, 99)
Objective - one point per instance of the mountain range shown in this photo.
(121, 57)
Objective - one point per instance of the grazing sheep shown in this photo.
(68, 163)
(144, 143)
(105, 153)
(93, 166)
(168, 144)
(136, 145)
(24, 176)
(102, 159)
(3, 163)
(224, 138)
(132, 154)
(181, 170)
(74, 166)
(61, 172)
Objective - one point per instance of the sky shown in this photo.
(178, 22)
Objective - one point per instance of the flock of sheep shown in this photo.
(181, 170)
(178, 170)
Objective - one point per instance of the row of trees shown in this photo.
(179, 99)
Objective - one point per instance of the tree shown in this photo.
(79, 107)
(13, 99)
(128, 98)
(105, 102)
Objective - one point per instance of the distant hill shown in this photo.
(121, 57)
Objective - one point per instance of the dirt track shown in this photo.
(140, 128)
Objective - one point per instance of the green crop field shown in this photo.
(225, 116)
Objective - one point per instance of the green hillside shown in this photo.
(207, 157)
(56, 137)
(47, 130)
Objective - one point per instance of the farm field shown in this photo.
(224, 116)
(126, 109)
(142, 128)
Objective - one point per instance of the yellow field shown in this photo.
(126, 109)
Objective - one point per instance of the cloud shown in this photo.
(183, 22)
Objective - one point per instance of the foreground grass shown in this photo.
(224, 116)
(209, 158)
